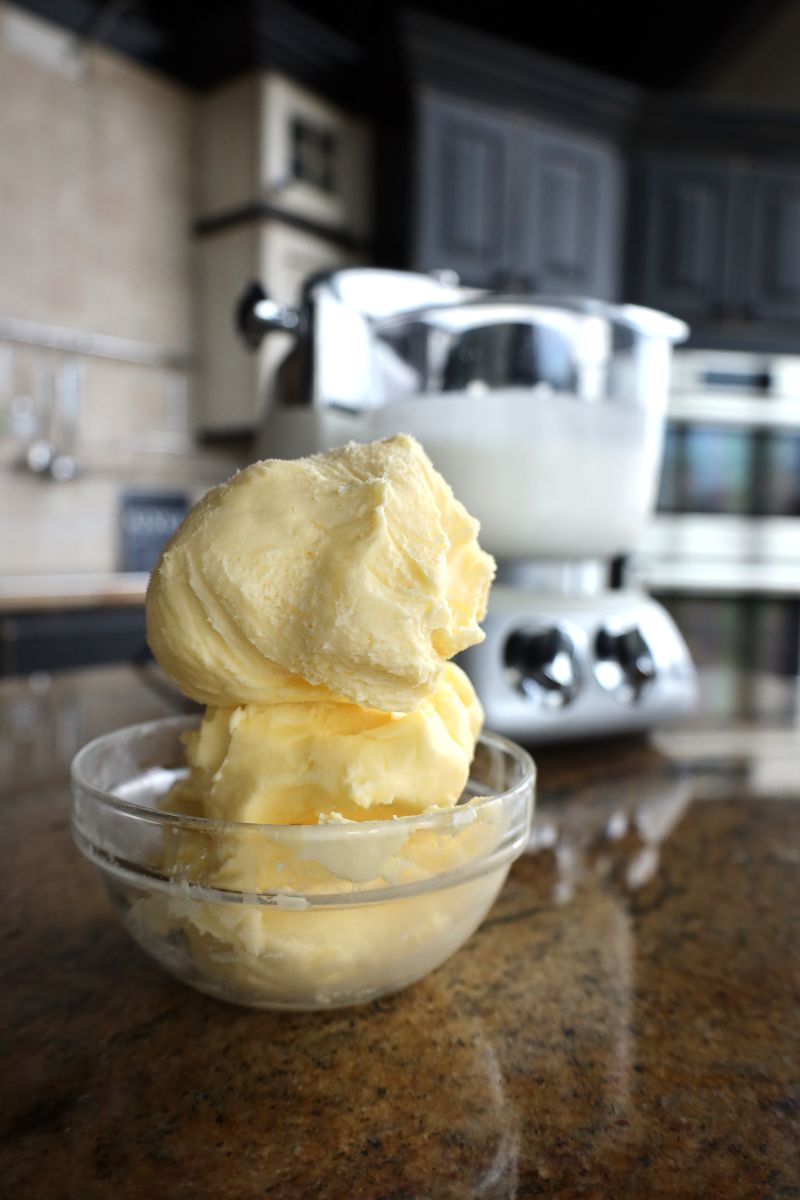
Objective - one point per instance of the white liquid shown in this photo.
(547, 476)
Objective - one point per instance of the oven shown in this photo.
(723, 549)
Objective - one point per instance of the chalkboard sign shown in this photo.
(147, 520)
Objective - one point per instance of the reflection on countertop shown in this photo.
(624, 1023)
(45, 719)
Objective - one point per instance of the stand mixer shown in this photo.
(546, 416)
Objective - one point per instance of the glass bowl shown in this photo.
(294, 916)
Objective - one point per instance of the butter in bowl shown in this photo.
(336, 825)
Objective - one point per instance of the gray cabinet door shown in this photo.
(679, 257)
(464, 153)
(772, 290)
(569, 232)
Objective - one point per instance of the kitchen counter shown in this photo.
(35, 593)
(626, 1022)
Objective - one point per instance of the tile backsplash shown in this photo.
(111, 308)
(96, 182)
(96, 208)
(133, 434)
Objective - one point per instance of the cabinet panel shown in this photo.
(682, 264)
(508, 202)
(578, 215)
(463, 173)
(773, 285)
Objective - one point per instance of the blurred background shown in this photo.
(156, 157)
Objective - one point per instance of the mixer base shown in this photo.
(555, 667)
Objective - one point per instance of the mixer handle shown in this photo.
(257, 315)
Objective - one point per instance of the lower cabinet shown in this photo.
(55, 641)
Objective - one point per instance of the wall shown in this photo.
(96, 202)
(764, 70)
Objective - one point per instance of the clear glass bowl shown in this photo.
(294, 916)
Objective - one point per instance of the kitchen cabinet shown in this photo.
(56, 641)
(682, 261)
(773, 283)
(717, 240)
(284, 192)
(507, 201)
(569, 212)
(233, 381)
(267, 145)
(464, 190)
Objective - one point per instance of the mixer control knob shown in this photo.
(624, 665)
(542, 663)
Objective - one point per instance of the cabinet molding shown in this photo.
(514, 203)
(468, 62)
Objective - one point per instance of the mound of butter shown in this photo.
(313, 605)
(352, 575)
(291, 764)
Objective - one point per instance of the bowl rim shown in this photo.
(425, 819)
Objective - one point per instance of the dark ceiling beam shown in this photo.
(204, 44)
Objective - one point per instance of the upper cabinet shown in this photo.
(513, 202)
(283, 193)
(530, 173)
(716, 239)
(570, 212)
(772, 289)
(461, 221)
(270, 147)
(682, 260)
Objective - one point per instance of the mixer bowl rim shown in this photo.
(483, 310)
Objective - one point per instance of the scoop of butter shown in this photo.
(298, 763)
(350, 576)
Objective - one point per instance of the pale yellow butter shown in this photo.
(291, 764)
(313, 605)
(356, 572)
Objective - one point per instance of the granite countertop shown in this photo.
(626, 1022)
(36, 593)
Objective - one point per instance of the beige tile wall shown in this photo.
(95, 194)
(57, 528)
(96, 204)
(133, 434)
(99, 163)
(62, 529)
(125, 406)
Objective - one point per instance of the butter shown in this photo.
(289, 953)
(313, 605)
(284, 763)
(352, 575)
(273, 957)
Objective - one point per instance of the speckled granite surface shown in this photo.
(626, 1023)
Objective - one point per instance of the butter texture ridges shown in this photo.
(347, 576)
